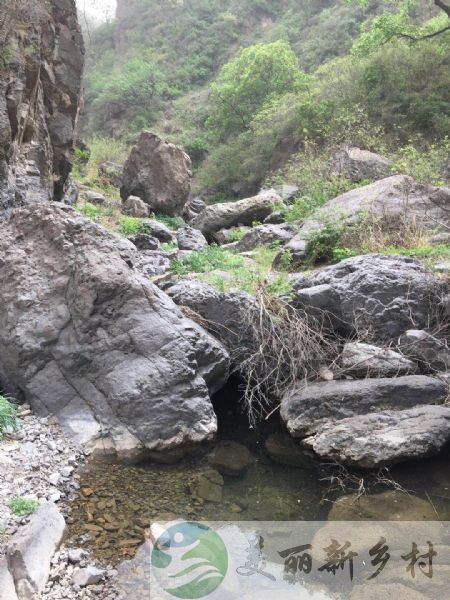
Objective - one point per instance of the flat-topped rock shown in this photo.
(365, 360)
(307, 407)
(385, 438)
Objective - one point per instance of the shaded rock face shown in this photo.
(431, 352)
(229, 214)
(189, 238)
(357, 165)
(384, 438)
(382, 294)
(305, 409)
(39, 99)
(89, 338)
(222, 313)
(159, 173)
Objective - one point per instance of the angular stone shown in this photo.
(208, 486)
(87, 576)
(93, 197)
(364, 360)
(189, 238)
(231, 458)
(33, 546)
(431, 352)
(135, 207)
(307, 407)
(384, 438)
(158, 230)
(142, 241)
(266, 235)
(159, 173)
(242, 212)
(359, 165)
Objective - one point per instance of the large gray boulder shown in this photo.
(158, 230)
(242, 212)
(396, 199)
(365, 360)
(384, 438)
(383, 294)
(30, 551)
(266, 235)
(159, 173)
(223, 313)
(89, 338)
(306, 407)
(358, 165)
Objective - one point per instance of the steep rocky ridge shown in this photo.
(41, 65)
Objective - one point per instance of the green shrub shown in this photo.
(8, 415)
(424, 162)
(206, 260)
(323, 243)
(94, 212)
(171, 222)
(22, 507)
(130, 225)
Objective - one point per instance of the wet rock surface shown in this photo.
(231, 458)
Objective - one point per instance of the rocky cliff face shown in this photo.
(41, 64)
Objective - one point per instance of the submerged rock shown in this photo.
(282, 449)
(364, 360)
(208, 486)
(95, 342)
(383, 294)
(242, 212)
(384, 438)
(307, 407)
(231, 458)
(386, 506)
(159, 173)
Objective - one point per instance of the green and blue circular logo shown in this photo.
(189, 560)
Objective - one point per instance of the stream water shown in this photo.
(116, 503)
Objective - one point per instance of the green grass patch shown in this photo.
(206, 260)
(94, 212)
(129, 225)
(171, 222)
(8, 415)
(22, 507)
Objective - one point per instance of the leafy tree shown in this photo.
(399, 23)
(253, 79)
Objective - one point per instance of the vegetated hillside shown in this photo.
(363, 82)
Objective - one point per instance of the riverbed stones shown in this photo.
(32, 548)
(231, 458)
(95, 342)
(385, 438)
(386, 506)
(208, 486)
(306, 407)
(189, 238)
(364, 360)
(159, 173)
(230, 214)
(386, 295)
(86, 576)
(432, 353)
(284, 450)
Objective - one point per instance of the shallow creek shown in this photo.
(116, 503)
